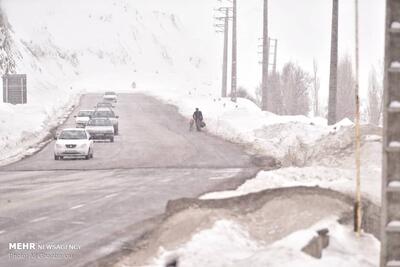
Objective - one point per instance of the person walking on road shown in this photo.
(198, 120)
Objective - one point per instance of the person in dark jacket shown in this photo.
(197, 119)
(197, 115)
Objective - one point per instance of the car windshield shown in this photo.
(100, 122)
(86, 113)
(72, 134)
(104, 113)
(110, 93)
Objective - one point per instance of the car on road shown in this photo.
(82, 118)
(109, 114)
(100, 128)
(110, 96)
(104, 105)
(73, 142)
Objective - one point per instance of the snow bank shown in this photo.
(222, 245)
(23, 128)
(339, 176)
(227, 243)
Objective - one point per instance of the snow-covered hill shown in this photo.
(88, 42)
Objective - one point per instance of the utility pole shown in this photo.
(225, 63)
(273, 48)
(271, 76)
(316, 85)
(234, 51)
(224, 27)
(265, 61)
(272, 55)
(358, 203)
(333, 66)
(390, 211)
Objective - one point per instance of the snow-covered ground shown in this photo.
(26, 128)
(227, 243)
(339, 176)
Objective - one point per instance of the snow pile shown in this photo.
(24, 127)
(228, 244)
(210, 247)
(339, 176)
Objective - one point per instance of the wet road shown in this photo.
(91, 208)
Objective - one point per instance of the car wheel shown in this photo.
(56, 157)
(91, 153)
(112, 139)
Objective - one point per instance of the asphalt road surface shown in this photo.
(88, 209)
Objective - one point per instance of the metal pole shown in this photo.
(265, 61)
(234, 54)
(333, 66)
(225, 60)
(275, 55)
(357, 130)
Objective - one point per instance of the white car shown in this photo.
(82, 118)
(73, 142)
(101, 128)
(110, 96)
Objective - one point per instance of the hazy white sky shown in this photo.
(303, 29)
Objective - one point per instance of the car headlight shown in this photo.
(83, 146)
(59, 146)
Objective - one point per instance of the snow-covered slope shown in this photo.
(88, 41)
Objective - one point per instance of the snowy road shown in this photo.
(100, 206)
(151, 134)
